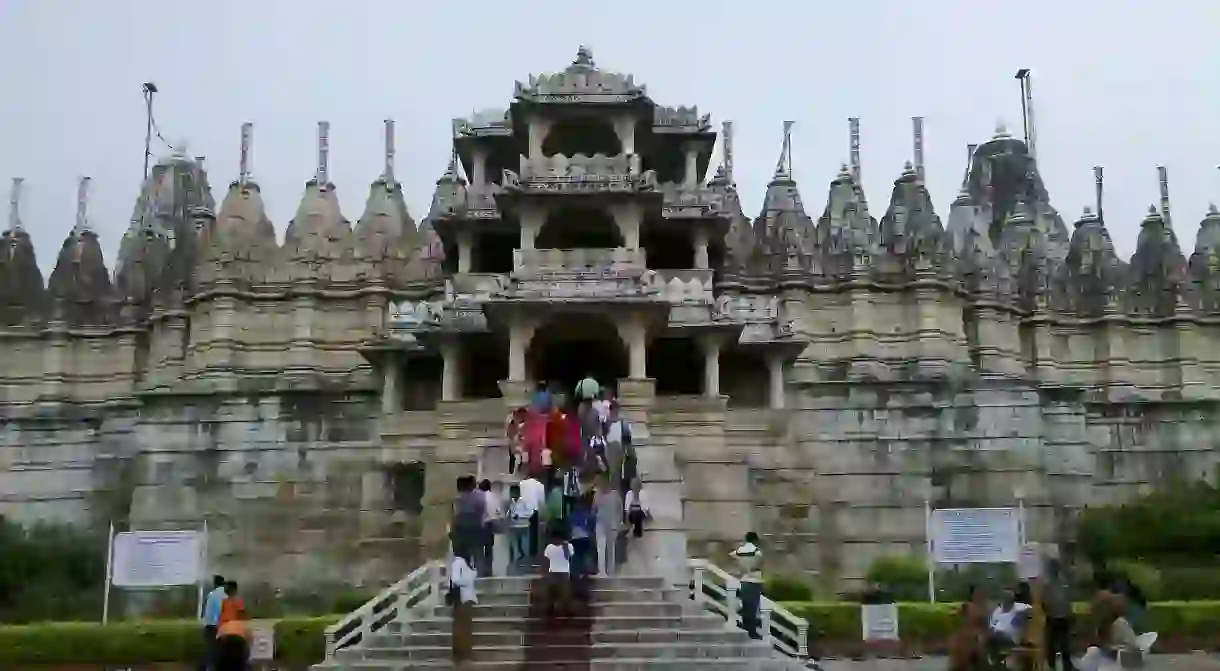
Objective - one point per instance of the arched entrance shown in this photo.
(586, 136)
(579, 228)
(569, 347)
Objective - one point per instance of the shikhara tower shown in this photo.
(814, 379)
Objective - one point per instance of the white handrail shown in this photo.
(421, 587)
(716, 590)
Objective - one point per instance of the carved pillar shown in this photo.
(479, 176)
(391, 385)
(627, 217)
(635, 335)
(775, 368)
(711, 366)
(465, 251)
(519, 334)
(532, 219)
(690, 174)
(301, 348)
(701, 243)
(624, 128)
(451, 374)
(539, 129)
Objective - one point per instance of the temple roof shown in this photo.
(910, 232)
(845, 229)
(1157, 268)
(582, 78)
(175, 187)
(241, 244)
(1092, 276)
(1204, 267)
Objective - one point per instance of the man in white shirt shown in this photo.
(211, 621)
(1008, 619)
(749, 563)
(635, 506)
(558, 556)
(533, 492)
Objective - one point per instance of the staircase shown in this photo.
(634, 623)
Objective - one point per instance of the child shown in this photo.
(558, 556)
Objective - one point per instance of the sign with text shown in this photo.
(879, 622)
(157, 558)
(262, 640)
(975, 535)
(1029, 564)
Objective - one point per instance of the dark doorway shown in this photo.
(579, 228)
(572, 346)
(676, 365)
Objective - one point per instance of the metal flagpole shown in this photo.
(203, 550)
(927, 527)
(109, 572)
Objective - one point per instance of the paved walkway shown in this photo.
(1195, 662)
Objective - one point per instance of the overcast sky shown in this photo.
(1127, 84)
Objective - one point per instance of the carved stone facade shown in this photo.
(817, 380)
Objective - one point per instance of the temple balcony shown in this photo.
(606, 261)
(686, 286)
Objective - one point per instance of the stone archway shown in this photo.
(579, 228)
(569, 347)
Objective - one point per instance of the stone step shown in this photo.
(550, 651)
(522, 583)
(736, 664)
(686, 621)
(501, 638)
(597, 595)
(613, 609)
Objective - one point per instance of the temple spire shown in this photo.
(783, 167)
(82, 206)
(1099, 189)
(917, 138)
(727, 133)
(388, 170)
(323, 173)
(853, 124)
(14, 205)
(1163, 177)
(247, 151)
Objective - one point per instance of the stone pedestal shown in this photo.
(662, 550)
(516, 393)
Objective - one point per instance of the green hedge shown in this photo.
(297, 641)
(1182, 626)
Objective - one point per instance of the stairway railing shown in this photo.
(716, 590)
(422, 587)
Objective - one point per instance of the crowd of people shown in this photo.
(1000, 637)
(575, 501)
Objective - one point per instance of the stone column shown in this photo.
(711, 366)
(532, 219)
(775, 367)
(624, 128)
(539, 128)
(479, 177)
(701, 242)
(451, 374)
(627, 216)
(690, 174)
(634, 334)
(519, 334)
(465, 251)
(391, 382)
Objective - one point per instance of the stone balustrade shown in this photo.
(685, 286)
(473, 286)
(611, 261)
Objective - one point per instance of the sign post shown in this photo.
(972, 536)
(153, 559)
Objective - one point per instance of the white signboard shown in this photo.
(157, 558)
(975, 535)
(262, 640)
(1029, 564)
(879, 622)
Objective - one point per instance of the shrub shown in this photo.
(903, 576)
(50, 571)
(786, 588)
(298, 641)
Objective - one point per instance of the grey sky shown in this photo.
(1126, 84)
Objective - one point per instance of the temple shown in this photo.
(819, 380)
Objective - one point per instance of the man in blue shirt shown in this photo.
(211, 620)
